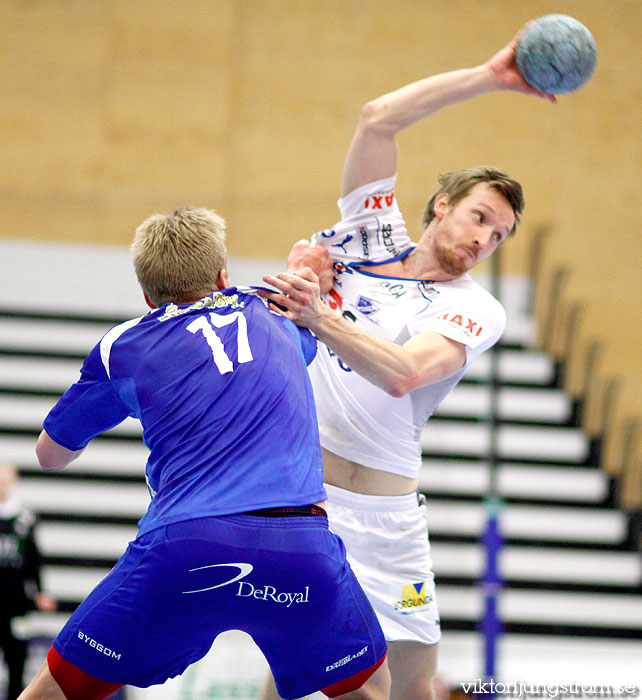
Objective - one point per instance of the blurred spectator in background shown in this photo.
(20, 586)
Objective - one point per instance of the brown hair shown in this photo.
(458, 183)
(178, 255)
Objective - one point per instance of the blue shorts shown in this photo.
(284, 581)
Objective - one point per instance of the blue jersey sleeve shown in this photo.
(305, 341)
(89, 407)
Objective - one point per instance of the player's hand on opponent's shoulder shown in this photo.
(298, 294)
(316, 258)
(505, 75)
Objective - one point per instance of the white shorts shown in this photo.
(386, 538)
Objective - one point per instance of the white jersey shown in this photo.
(357, 420)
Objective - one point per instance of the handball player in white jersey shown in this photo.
(398, 326)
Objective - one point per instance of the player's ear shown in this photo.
(223, 279)
(149, 302)
(441, 204)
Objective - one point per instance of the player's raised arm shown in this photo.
(372, 154)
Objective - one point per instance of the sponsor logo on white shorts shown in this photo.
(413, 596)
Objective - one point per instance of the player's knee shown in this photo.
(74, 683)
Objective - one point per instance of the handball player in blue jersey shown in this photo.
(235, 536)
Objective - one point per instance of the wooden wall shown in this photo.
(113, 109)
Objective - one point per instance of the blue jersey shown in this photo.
(222, 392)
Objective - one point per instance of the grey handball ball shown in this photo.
(556, 54)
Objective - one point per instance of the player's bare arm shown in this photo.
(373, 152)
(53, 456)
(426, 358)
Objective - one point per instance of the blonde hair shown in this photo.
(458, 184)
(179, 255)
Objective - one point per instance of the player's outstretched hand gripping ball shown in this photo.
(556, 54)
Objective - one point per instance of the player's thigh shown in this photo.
(377, 687)
(412, 667)
(42, 687)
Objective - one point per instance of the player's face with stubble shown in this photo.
(471, 231)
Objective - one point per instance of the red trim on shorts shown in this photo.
(347, 685)
(76, 684)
